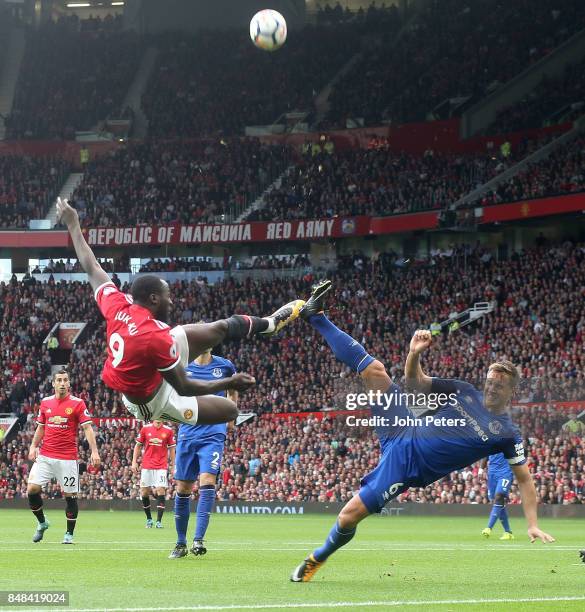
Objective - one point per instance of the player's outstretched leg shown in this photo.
(341, 533)
(344, 347)
(203, 336)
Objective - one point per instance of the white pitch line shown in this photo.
(330, 604)
(79, 547)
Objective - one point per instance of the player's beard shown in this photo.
(163, 314)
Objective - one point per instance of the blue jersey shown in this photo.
(217, 368)
(498, 467)
(418, 453)
(440, 448)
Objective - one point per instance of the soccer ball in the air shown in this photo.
(268, 30)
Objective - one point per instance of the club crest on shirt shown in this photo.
(68, 410)
(217, 372)
(495, 427)
(188, 414)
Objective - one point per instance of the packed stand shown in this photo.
(379, 181)
(28, 187)
(74, 74)
(561, 173)
(453, 51)
(194, 182)
(218, 83)
(311, 460)
(553, 101)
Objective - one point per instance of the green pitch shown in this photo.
(442, 563)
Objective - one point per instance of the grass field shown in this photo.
(417, 563)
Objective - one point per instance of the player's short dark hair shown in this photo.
(144, 286)
(59, 371)
(506, 367)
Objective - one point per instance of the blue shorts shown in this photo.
(497, 484)
(198, 455)
(389, 478)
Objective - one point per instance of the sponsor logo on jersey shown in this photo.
(155, 441)
(495, 427)
(473, 422)
(58, 420)
(217, 372)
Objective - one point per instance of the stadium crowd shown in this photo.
(554, 100)
(379, 301)
(215, 181)
(74, 74)
(562, 172)
(28, 185)
(185, 182)
(455, 52)
(379, 181)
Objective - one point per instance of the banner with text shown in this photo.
(307, 229)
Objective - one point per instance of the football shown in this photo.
(268, 30)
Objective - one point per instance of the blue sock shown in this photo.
(182, 516)
(337, 538)
(344, 347)
(204, 506)
(494, 515)
(504, 519)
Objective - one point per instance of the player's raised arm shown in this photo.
(68, 215)
(416, 379)
(529, 503)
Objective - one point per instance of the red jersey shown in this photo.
(61, 418)
(139, 347)
(156, 442)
